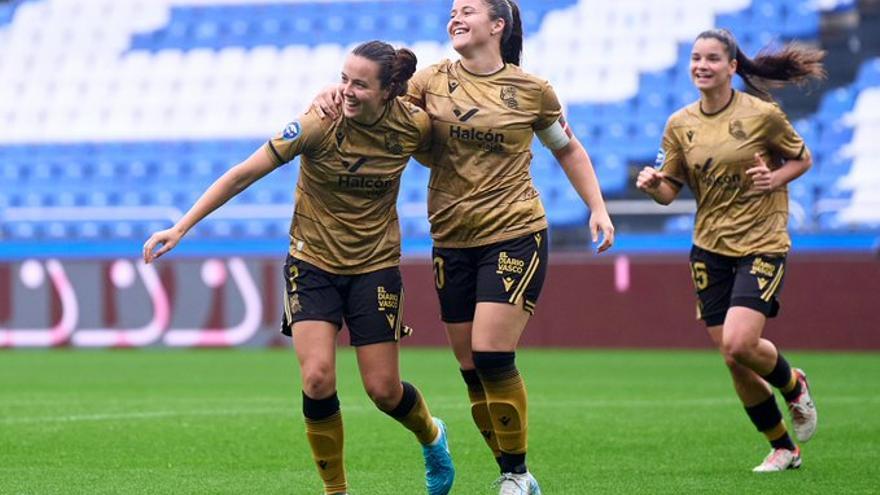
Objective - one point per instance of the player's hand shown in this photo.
(761, 175)
(649, 179)
(328, 103)
(602, 222)
(166, 239)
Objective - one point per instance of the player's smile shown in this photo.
(457, 30)
(351, 104)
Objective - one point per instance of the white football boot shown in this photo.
(804, 417)
(780, 460)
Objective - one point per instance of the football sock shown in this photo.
(506, 397)
(413, 413)
(768, 420)
(783, 378)
(480, 411)
(325, 435)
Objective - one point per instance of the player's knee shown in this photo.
(318, 381)
(738, 350)
(729, 361)
(384, 393)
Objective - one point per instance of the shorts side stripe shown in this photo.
(526, 280)
(398, 324)
(773, 285)
(287, 313)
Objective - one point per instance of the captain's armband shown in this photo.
(557, 136)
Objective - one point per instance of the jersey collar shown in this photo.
(725, 107)
(462, 67)
(382, 116)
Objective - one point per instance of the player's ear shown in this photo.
(498, 27)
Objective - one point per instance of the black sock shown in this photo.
(783, 442)
(512, 463)
(768, 420)
(780, 377)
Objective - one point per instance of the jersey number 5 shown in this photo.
(700, 275)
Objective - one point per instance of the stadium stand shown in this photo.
(116, 114)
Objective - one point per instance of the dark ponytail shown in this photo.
(793, 64)
(512, 38)
(395, 66)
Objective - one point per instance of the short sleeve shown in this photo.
(297, 137)
(782, 138)
(550, 111)
(418, 86)
(670, 158)
(422, 153)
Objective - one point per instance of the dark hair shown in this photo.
(793, 64)
(512, 38)
(396, 66)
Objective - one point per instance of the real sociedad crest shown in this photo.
(392, 143)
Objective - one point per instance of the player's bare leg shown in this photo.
(380, 373)
(315, 345)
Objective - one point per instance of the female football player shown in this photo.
(343, 262)
(487, 221)
(737, 152)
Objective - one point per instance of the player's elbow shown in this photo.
(807, 162)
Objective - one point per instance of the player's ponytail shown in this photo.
(403, 67)
(512, 36)
(793, 64)
(395, 66)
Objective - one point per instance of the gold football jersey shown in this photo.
(345, 216)
(481, 190)
(711, 153)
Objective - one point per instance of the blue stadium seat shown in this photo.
(868, 75)
(833, 137)
(836, 102)
(612, 172)
(679, 224)
(802, 21)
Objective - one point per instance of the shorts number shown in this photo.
(439, 273)
(293, 272)
(700, 275)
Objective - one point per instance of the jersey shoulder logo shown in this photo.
(508, 96)
(452, 85)
(292, 131)
(339, 137)
(690, 136)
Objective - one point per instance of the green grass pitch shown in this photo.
(229, 422)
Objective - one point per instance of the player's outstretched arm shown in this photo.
(577, 166)
(235, 180)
